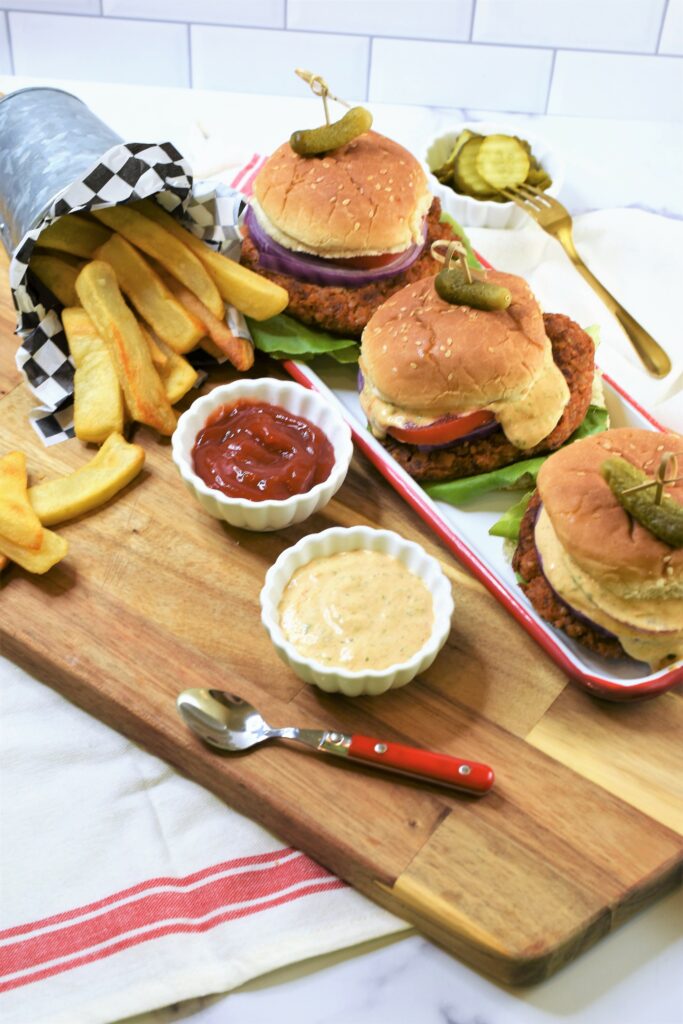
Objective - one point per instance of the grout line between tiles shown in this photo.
(369, 70)
(550, 81)
(474, 8)
(661, 28)
(10, 48)
(190, 71)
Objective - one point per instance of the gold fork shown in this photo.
(554, 218)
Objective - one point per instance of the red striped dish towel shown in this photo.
(126, 887)
(244, 179)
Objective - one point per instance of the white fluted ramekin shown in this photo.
(482, 213)
(331, 542)
(270, 514)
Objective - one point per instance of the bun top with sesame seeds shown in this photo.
(423, 357)
(367, 198)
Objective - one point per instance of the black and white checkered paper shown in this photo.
(126, 173)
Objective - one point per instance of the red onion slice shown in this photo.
(316, 269)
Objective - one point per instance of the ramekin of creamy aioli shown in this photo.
(357, 610)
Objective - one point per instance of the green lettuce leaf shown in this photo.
(509, 523)
(446, 218)
(595, 421)
(283, 337)
(518, 476)
(515, 477)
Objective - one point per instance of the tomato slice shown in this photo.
(441, 431)
(368, 262)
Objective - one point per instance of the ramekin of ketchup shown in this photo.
(262, 454)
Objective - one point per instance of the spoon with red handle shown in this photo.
(228, 722)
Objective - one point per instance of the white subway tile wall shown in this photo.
(604, 58)
(99, 49)
(460, 75)
(629, 25)
(255, 13)
(58, 6)
(429, 19)
(617, 85)
(253, 60)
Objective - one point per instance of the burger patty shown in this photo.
(544, 599)
(346, 311)
(573, 352)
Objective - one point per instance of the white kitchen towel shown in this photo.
(126, 887)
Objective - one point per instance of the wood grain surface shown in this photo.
(582, 828)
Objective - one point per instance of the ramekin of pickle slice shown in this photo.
(472, 162)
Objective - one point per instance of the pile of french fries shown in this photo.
(25, 511)
(140, 292)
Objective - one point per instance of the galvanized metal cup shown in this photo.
(48, 139)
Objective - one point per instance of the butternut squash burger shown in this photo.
(342, 230)
(454, 391)
(592, 569)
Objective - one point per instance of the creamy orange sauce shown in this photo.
(356, 610)
(648, 629)
(525, 421)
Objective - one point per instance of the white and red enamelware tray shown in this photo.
(464, 530)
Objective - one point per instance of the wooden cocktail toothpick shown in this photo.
(455, 254)
(667, 461)
(320, 88)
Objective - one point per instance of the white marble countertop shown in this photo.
(633, 975)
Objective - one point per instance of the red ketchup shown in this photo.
(259, 451)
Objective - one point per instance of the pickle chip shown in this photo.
(466, 175)
(444, 174)
(502, 161)
(314, 141)
(663, 520)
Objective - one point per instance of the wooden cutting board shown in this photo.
(582, 829)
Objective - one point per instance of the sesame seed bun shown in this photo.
(366, 198)
(594, 529)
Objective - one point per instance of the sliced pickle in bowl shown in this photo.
(444, 174)
(466, 175)
(479, 166)
(502, 162)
